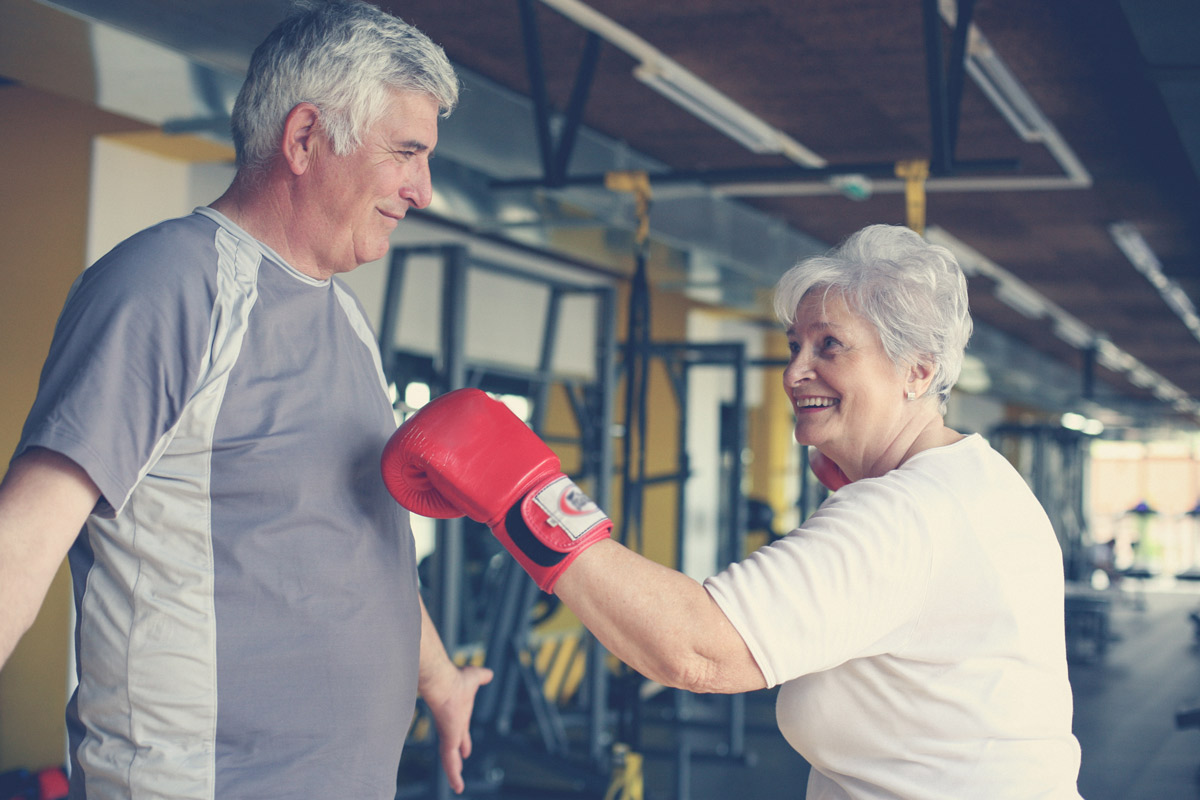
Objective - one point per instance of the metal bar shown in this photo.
(606, 348)
(391, 309)
(805, 503)
(636, 378)
(1088, 391)
(955, 72)
(682, 383)
(448, 554)
(507, 608)
(537, 84)
(549, 723)
(737, 538)
(678, 369)
(938, 120)
(775, 174)
(545, 360)
(578, 101)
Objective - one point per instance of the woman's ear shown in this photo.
(920, 376)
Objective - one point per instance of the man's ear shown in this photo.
(299, 137)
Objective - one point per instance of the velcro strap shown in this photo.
(567, 508)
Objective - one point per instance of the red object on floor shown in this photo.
(52, 784)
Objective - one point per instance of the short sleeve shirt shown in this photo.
(248, 620)
(915, 625)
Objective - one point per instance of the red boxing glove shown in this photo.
(465, 454)
(827, 472)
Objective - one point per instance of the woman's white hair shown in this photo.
(343, 57)
(913, 293)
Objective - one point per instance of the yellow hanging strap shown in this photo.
(636, 182)
(626, 783)
(914, 173)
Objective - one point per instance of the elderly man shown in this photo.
(205, 443)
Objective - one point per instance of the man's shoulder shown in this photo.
(178, 237)
(171, 253)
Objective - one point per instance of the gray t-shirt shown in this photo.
(248, 622)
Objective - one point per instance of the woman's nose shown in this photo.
(797, 369)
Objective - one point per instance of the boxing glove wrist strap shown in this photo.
(550, 527)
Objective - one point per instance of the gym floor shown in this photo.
(1125, 706)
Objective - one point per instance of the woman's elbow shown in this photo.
(701, 674)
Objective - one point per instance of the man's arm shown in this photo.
(450, 694)
(44, 501)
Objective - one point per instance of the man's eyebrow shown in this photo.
(412, 144)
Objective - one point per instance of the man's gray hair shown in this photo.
(913, 293)
(346, 58)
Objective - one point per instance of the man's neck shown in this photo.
(260, 207)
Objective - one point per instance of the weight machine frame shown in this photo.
(591, 402)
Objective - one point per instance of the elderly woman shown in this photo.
(914, 623)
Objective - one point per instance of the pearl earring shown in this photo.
(911, 395)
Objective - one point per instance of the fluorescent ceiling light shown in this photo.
(707, 103)
(1114, 358)
(1073, 421)
(1078, 422)
(1168, 392)
(1131, 242)
(997, 82)
(1074, 332)
(1142, 377)
(683, 87)
(1005, 92)
(690, 93)
(1022, 299)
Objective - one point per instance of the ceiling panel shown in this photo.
(847, 79)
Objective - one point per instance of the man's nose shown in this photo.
(418, 191)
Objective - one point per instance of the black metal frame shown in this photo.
(945, 84)
(516, 594)
(1057, 473)
(726, 713)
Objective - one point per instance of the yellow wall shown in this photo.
(770, 436)
(668, 322)
(45, 158)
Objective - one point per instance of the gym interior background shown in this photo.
(615, 197)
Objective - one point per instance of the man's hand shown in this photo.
(451, 708)
(449, 691)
